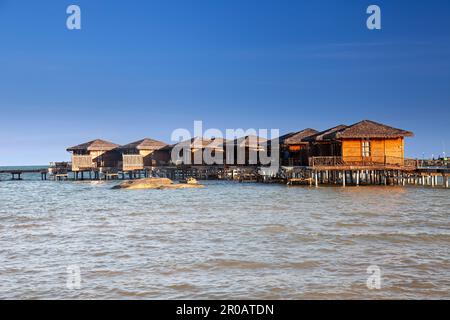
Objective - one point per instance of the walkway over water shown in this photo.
(16, 174)
(339, 174)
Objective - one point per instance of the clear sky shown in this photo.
(144, 68)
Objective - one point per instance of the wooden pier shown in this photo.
(336, 170)
(338, 175)
(16, 174)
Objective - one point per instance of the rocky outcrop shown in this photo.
(155, 183)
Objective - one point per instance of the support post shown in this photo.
(343, 178)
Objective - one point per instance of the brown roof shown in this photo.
(94, 145)
(144, 144)
(325, 135)
(250, 141)
(361, 130)
(371, 129)
(199, 142)
(297, 137)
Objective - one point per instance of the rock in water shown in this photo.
(154, 183)
(192, 181)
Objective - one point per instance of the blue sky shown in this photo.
(144, 68)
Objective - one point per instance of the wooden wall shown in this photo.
(294, 155)
(94, 159)
(144, 158)
(132, 162)
(80, 162)
(382, 150)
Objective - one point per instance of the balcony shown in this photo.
(131, 162)
(82, 163)
(378, 162)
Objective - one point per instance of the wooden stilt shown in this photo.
(343, 178)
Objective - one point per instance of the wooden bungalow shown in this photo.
(143, 154)
(294, 150)
(94, 154)
(198, 147)
(246, 150)
(366, 143)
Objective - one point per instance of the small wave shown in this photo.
(108, 273)
(232, 264)
(403, 237)
(27, 226)
(275, 229)
(351, 224)
(302, 265)
(131, 294)
(183, 287)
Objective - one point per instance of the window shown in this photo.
(366, 148)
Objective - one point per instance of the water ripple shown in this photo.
(226, 241)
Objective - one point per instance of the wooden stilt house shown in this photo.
(94, 154)
(199, 151)
(142, 154)
(366, 143)
(246, 150)
(294, 150)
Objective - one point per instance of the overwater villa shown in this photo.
(246, 150)
(143, 154)
(198, 146)
(294, 149)
(366, 143)
(365, 152)
(93, 156)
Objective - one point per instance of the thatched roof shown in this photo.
(144, 144)
(371, 129)
(94, 145)
(362, 130)
(325, 135)
(297, 137)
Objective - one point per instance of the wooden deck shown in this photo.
(360, 163)
(320, 174)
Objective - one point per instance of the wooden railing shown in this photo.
(362, 161)
(132, 162)
(82, 162)
(326, 161)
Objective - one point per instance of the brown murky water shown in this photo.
(228, 240)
